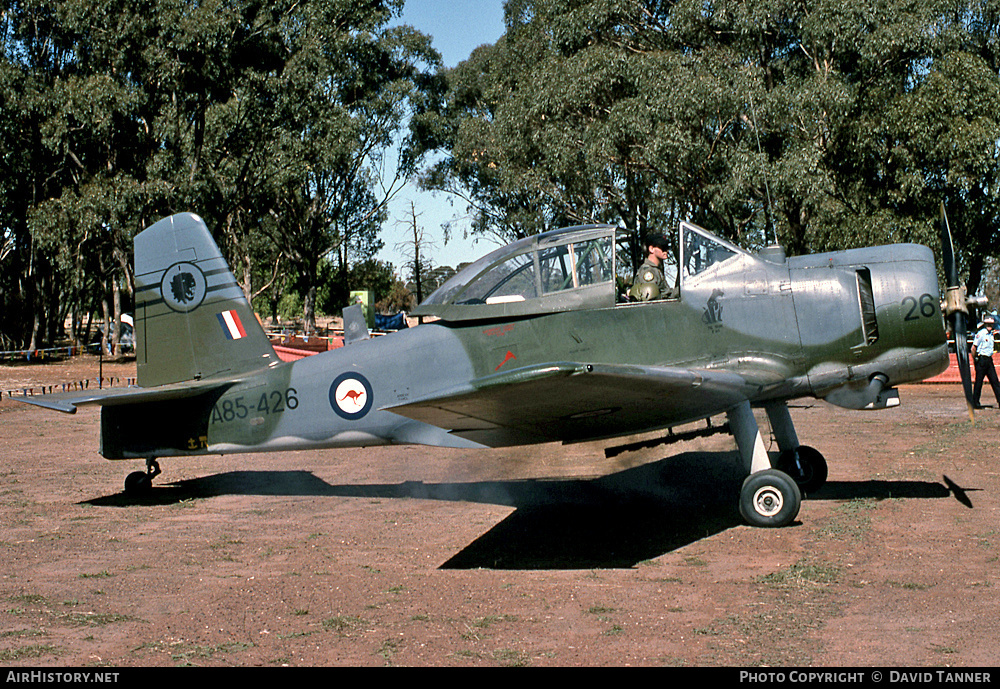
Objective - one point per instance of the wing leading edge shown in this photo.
(567, 401)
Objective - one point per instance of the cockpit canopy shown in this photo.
(562, 270)
(565, 269)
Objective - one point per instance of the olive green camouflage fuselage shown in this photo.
(746, 328)
(533, 343)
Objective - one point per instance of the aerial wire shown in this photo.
(769, 226)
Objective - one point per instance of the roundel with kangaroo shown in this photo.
(351, 396)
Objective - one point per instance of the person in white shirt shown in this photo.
(982, 350)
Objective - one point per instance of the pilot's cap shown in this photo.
(659, 241)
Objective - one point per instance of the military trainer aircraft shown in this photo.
(532, 343)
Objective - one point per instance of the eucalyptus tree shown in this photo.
(593, 111)
(462, 128)
(280, 115)
(73, 146)
(764, 120)
(270, 119)
(945, 134)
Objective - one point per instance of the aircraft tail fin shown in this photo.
(192, 319)
(355, 327)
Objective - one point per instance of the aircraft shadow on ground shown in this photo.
(614, 521)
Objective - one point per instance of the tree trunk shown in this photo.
(35, 327)
(107, 321)
(309, 311)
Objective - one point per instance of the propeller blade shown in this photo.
(956, 311)
(948, 252)
(962, 352)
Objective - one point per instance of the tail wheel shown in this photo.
(806, 465)
(770, 498)
(138, 483)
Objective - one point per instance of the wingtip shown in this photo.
(47, 402)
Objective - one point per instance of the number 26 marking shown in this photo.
(925, 307)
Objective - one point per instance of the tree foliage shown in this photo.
(821, 125)
(269, 119)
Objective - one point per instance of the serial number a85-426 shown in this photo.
(271, 402)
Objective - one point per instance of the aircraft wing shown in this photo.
(67, 402)
(573, 401)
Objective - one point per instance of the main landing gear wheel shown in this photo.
(140, 483)
(805, 465)
(770, 498)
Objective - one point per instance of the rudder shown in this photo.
(192, 320)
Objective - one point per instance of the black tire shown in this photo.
(806, 466)
(138, 483)
(770, 498)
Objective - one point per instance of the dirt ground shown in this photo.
(542, 556)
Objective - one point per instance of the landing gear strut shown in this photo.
(772, 493)
(141, 482)
(803, 463)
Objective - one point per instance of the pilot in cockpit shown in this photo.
(649, 283)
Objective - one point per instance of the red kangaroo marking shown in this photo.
(510, 355)
(354, 395)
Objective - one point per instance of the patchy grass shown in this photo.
(509, 657)
(803, 572)
(388, 649)
(27, 652)
(850, 520)
(774, 637)
(193, 653)
(945, 438)
(613, 630)
(22, 633)
(342, 624)
(73, 618)
(95, 619)
(909, 585)
(603, 613)
(28, 599)
(489, 620)
(473, 629)
(776, 626)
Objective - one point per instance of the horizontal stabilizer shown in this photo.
(67, 402)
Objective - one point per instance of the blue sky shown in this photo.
(457, 27)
